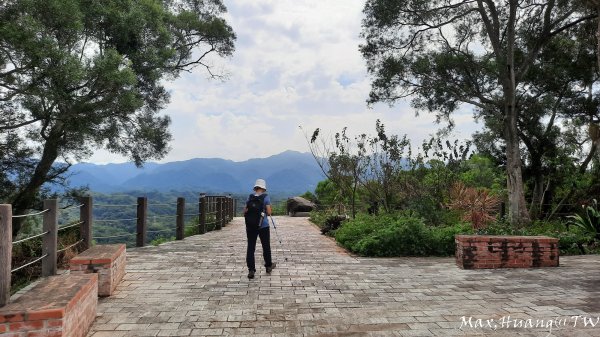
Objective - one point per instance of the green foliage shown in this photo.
(319, 218)
(161, 220)
(191, 227)
(80, 75)
(572, 240)
(328, 193)
(161, 240)
(479, 171)
(27, 251)
(308, 195)
(446, 56)
(401, 234)
(279, 207)
(589, 220)
(327, 220)
(405, 234)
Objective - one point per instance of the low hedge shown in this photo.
(397, 235)
(406, 234)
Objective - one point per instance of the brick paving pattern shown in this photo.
(198, 287)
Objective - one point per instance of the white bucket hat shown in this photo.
(260, 183)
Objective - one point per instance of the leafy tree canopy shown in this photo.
(445, 53)
(78, 75)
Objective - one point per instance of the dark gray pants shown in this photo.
(265, 240)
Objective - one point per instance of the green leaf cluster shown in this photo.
(402, 234)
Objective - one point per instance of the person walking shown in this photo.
(256, 212)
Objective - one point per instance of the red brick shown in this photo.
(45, 314)
(53, 323)
(47, 333)
(25, 326)
(11, 317)
(15, 334)
(489, 251)
(108, 261)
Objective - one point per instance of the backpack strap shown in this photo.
(262, 199)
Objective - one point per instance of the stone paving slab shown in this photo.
(198, 287)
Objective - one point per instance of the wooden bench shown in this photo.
(63, 305)
(504, 251)
(108, 261)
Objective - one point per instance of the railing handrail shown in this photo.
(221, 208)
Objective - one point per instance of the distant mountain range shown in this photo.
(289, 172)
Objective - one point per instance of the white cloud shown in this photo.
(296, 63)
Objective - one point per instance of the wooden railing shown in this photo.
(213, 210)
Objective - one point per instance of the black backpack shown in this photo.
(255, 206)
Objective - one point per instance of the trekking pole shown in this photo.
(278, 238)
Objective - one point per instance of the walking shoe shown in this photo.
(269, 269)
(251, 274)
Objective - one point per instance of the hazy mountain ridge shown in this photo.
(288, 172)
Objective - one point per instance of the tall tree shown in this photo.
(77, 75)
(556, 110)
(342, 160)
(445, 53)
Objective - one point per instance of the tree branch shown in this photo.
(16, 126)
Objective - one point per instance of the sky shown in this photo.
(296, 63)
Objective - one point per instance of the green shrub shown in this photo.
(191, 230)
(279, 207)
(572, 240)
(443, 238)
(588, 220)
(327, 221)
(161, 240)
(405, 234)
(402, 234)
(318, 218)
(353, 231)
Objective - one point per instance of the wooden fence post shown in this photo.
(223, 211)
(142, 211)
(230, 208)
(226, 210)
(180, 218)
(202, 213)
(234, 207)
(85, 217)
(5, 252)
(219, 213)
(213, 215)
(50, 239)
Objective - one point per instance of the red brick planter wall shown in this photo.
(490, 251)
(108, 261)
(63, 305)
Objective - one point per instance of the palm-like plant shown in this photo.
(478, 205)
(589, 220)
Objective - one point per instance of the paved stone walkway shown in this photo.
(198, 287)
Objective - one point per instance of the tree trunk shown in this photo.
(538, 193)
(517, 207)
(597, 3)
(538, 181)
(354, 198)
(582, 169)
(25, 198)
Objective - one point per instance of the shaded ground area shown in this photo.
(198, 287)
